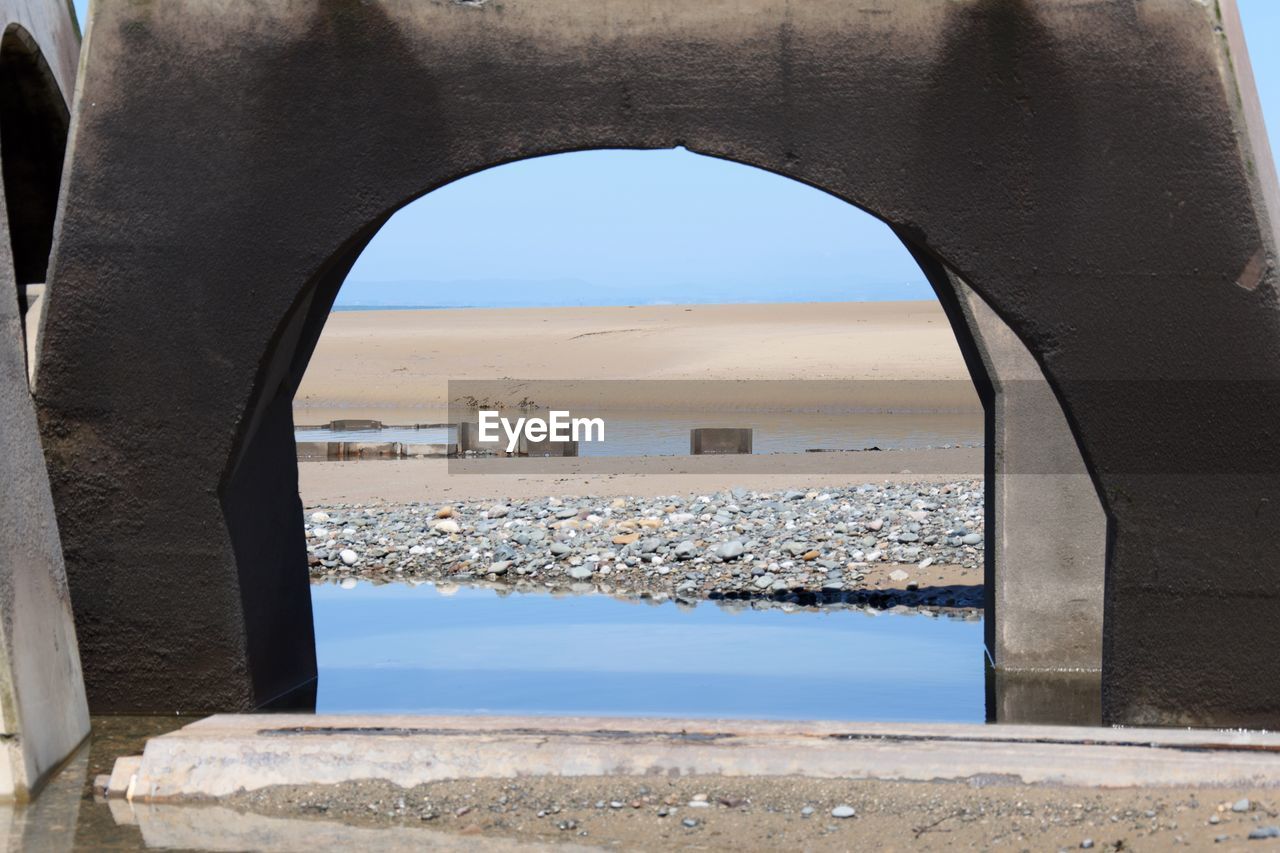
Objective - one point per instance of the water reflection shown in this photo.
(205, 827)
(402, 648)
(667, 433)
(1067, 698)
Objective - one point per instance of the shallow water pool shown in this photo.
(471, 650)
(667, 434)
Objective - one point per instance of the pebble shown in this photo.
(768, 548)
(689, 822)
(1240, 805)
(843, 812)
(1263, 832)
(730, 550)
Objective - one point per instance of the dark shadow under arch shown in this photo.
(34, 121)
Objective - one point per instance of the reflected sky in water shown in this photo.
(401, 648)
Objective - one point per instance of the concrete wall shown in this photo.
(43, 714)
(1091, 170)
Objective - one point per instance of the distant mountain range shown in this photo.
(506, 293)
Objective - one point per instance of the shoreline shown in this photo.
(418, 480)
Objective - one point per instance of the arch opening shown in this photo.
(34, 122)
(297, 340)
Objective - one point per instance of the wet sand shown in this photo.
(437, 479)
(370, 361)
(633, 813)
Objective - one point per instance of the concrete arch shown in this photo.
(34, 122)
(43, 713)
(1046, 529)
(1088, 169)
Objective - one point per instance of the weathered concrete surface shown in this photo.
(711, 440)
(1044, 697)
(1047, 558)
(222, 755)
(43, 714)
(1090, 169)
(1045, 565)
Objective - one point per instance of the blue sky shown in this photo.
(634, 227)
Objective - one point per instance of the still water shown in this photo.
(471, 650)
(667, 434)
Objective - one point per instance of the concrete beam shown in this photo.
(43, 713)
(224, 755)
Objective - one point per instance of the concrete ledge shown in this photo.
(224, 754)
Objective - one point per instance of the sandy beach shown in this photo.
(373, 363)
(395, 366)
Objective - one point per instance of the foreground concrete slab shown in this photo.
(225, 754)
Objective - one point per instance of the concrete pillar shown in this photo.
(43, 713)
(1046, 539)
(1046, 530)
